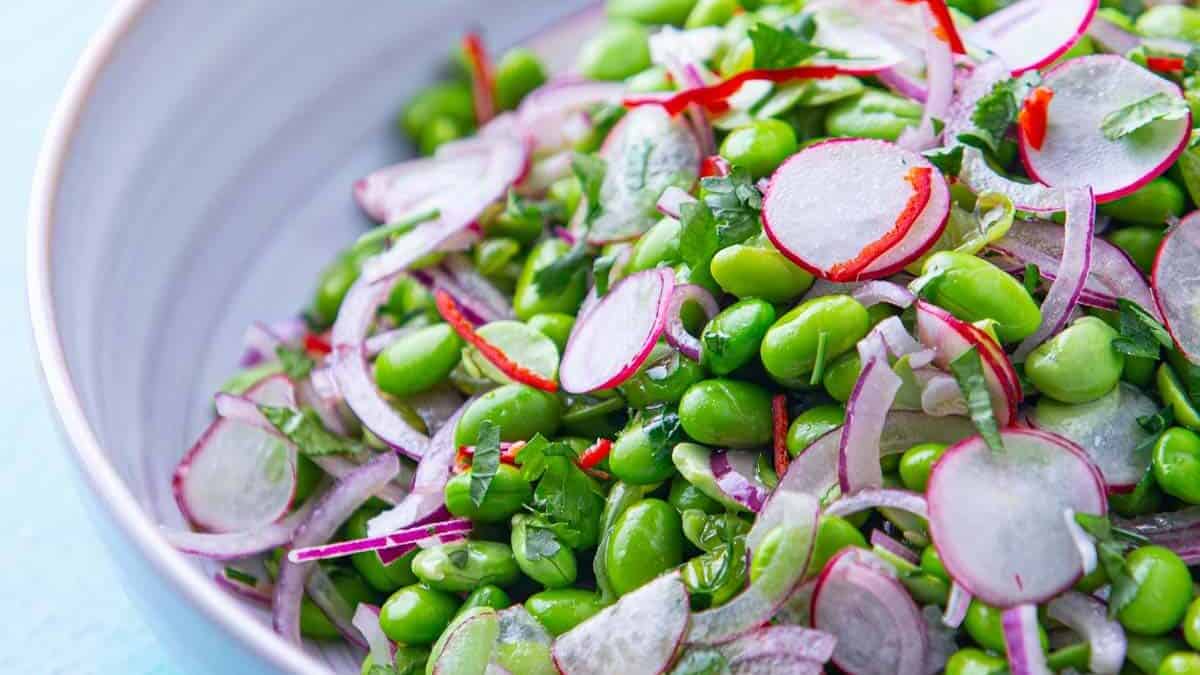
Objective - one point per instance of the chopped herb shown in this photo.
(1191, 62)
(775, 49)
(532, 456)
(590, 170)
(997, 110)
(1141, 333)
(382, 234)
(938, 125)
(818, 372)
(715, 342)
(569, 501)
(528, 213)
(968, 371)
(1161, 106)
(947, 160)
(698, 237)
(662, 430)
(296, 362)
(540, 543)
(1158, 422)
(601, 269)
(459, 557)
(485, 462)
(1111, 545)
(1033, 278)
(556, 276)
(735, 202)
(238, 575)
(304, 428)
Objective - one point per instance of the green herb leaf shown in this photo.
(818, 372)
(947, 160)
(1191, 62)
(968, 371)
(1141, 333)
(485, 462)
(1111, 544)
(380, 235)
(1033, 278)
(663, 429)
(556, 276)
(1158, 422)
(601, 269)
(304, 429)
(1124, 121)
(522, 212)
(590, 170)
(566, 496)
(295, 361)
(997, 110)
(238, 575)
(735, 202)
(775, 49)
(459, 557)
(540, 543)
(698, 237)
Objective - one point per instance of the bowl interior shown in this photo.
(206, 182)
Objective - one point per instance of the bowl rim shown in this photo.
(101, 477)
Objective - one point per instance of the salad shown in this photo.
(855, 336)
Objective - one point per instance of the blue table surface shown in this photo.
(66, 612)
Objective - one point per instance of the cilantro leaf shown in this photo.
(304, 428)
(663, 430)
(1033, 278)
(527, 213)
(1124, 121)
(485, 462)
(997, 110)
(1141, 333)
(540, 542)
(590, 170)
(566, 495)
(775, 49)
(947, 160)
(459, 557)
(601, 269)
(735, 202)
(556, 276)
(968, 370)
(698, 238)
(296, 362)
(1111, 544)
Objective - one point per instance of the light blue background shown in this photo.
(64, 610)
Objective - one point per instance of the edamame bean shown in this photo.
(541, 555)
(493, 255)
(1174, 395)
(487, 595)
(518, 410)
(1180, 663)
(1145, 498)
(917, 462)
(1191, 625)
(1170, 21)
(466, 565)
(313, 622)
(973, 289)
(1176, 462)
(756, 271)
(931, 562)
(451, 100)
(971, 661)
(529, 298)
(985, 626)
(438, 132)
(659, 246)
(646, 541)
(554, 325)
(636, 459)
(418, 361)
(664, 379)
(685, 496)
(732, 338)
(615, 53)
(1077, 365)
(790, 348)
(760, 147)
(841, 376)
(1139, 243)
(811, 425)
(383, 578)
(874, 114)
(417, 614)
(1153, 204)
(335, 280)
(518, 72)
(833, 535)
(560, 610)
(408, 297)
(727, 413)
(711, 13)
(673, 12)
(1163, 594)
(507, 492)
(1147, 653)
(654, 78)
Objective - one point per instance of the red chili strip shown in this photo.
(714, 97)
(317, 344)
(714, 166)
(947, 31)
(779, 417)
(595, 454)
(465, 453)
(921, 180)
(483, 78)
(1033, 117)
(450, 311)
(1165, 64)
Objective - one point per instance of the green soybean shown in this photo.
(727, 413)
(529, 299)
(541, 555)
(659, 246)
(1139, 243)
(790, 348)
(383, 578)
(487, 595)
(1163, 594)
(732, 338)
(554, 325)
(874, 114)
(1176, 463)
(313, 622)
(985, 626)
(841, 376)
(664, 379)
(1170, 21)
(1175, 396)
(333, 283)
(518, 410)
(417, 614)
(760, 146)
(451, 100)
(711, 13)
(1079, 364)
(750, 271)
(638, 460)
(973, 289)
(438, 132)
(506, 494)
(654, 78)
(560, 610)
(518, 72)
(653, 12)
(811, 425)
(833, 535)
(971, 661)
(1180, 663)
(917, 462)
(618, 51)
(463, 566)
(418, 361)
(646, 541)
(1153, 204)
(684, 496)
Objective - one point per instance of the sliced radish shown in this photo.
(879, 629)
(236, 545)
(611, 341)
(1173, 280)
(866, 415)
(950, 337)
(1022, 641)
(465, 648)
(545, 113)
(641, 632)
(815, 214)
(879, 498)
(978, 175)
(647, 152)
(1032, 33)
(753, 607)
(924, 234)
(1107, 429)
(1029, 555)
(795, 646)
(1087, 616)
(1076, 152)
(971, 87)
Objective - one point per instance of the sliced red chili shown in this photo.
(465, 454)
(317, 344)
(595, 454)
(714, 165)
(714, 97)
(483, 78)
(450, 311)
(1165, 64)
(1033, 117)
(779, 417)
(921, 180)
(946, 29)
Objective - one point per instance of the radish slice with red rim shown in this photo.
(1031, 555)
(753, 607)
(237, 545)
(1064, 293)
(876, 498)
(647, 152)
(794, 641)
(1022, 641)
(544, 114)
(879, 630)
(1088, 617)
(641, 632)
(1173, 281)
(1032, 33)
(950, 337)
(611, 341)
(815, 214)
(1108, 430)
(465, 647)
(676, 334)
(1075, 150)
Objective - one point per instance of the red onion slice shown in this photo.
(1116, 40)
(1176, 530)
(353, 375)
(738, 483)
(796, 642)
(1075, 150)
(333, 508)
(866, 415)
(1088, 617)
(1022, 641)
(641, 632)
(237, 545)
(260, 592)
(904, 84)
(1174, 286)
(879, 630)
(900, 344)
(544, 113)
(941, 396)
(956, 606)
(939, 74)
(884, 292)
(1034, 556)
(881, 540)
(1032, 33)
(333, 605)
(408, 536)
(980, 177)
(366, 620)
(611, 341)
(676, 334)
(473, 291)
(876, 498)
(950, 337)
(1064, 293)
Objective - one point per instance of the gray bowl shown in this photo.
(195, 177)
